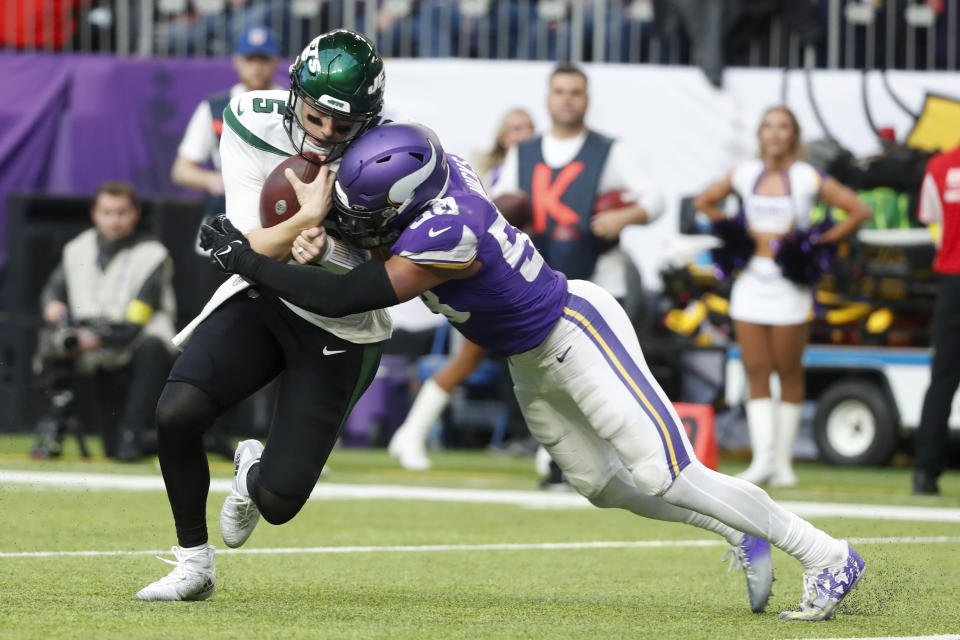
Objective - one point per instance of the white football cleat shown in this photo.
(239, 515)
(411, 452)
(194, 577)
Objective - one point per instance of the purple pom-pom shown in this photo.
(802, 257)
(737, 248)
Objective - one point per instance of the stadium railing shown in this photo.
(889, 34)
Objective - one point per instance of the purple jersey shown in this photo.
(514, 300)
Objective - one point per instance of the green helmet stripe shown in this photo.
(248, 136)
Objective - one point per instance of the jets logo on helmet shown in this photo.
(339, 75)
(378, 83)
(334, 103)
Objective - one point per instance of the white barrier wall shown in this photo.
(684, 131)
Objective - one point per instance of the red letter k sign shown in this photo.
(547, 194)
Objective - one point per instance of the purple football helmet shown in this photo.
(385, 179)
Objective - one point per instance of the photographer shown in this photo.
(109, 309)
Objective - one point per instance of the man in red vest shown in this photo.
(940, 203)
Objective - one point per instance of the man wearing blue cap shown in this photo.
(255, 57)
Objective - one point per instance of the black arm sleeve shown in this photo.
(365, 288)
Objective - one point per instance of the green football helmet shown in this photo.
(340, 75)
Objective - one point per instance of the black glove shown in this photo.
(226, 244)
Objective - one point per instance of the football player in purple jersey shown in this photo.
(579, 374)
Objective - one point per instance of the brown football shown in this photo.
(278, 201)
(515, 207)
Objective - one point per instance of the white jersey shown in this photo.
(777, 214)
(200, 141)
(254, 142)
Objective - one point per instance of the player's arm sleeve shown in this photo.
(365, 288)
(930, 210)
(243, 173)
(55, 288)
(509, 180)
(198, 139)
(622, 171)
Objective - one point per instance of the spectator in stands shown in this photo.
(196, 30)
(424, 29)
(408, 443)
(255, 59)
(940, 204)
(113, 295)
(772, 314)
(39, 25)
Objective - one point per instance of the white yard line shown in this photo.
(433, 548)
(949, 636)
(529, 499)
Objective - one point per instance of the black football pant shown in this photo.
(931, 438)
(247, 342)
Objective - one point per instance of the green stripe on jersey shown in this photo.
(368, 369)
(248, 136)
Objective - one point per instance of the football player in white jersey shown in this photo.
(244, 338)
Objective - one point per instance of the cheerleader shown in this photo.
(771, 314)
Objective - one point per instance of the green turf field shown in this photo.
(318, 588)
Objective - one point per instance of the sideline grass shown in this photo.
(600, 593)
(476, 469)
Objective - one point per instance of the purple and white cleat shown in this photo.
(753, 556)
(823, 589)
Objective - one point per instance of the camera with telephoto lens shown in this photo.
(62, 340)
(53, 369)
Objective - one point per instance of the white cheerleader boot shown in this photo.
(760, 420)
(409, 442)
(788, 421)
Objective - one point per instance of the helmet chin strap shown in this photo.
(308, 144)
